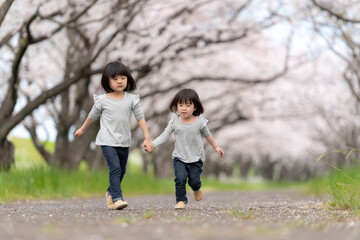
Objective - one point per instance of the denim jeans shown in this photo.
(184, 171)
(116, 159)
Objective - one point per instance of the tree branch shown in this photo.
(61, 26)
(4, 9)
(333, 13)
(39, 146)
(8, 105)
(41, 99)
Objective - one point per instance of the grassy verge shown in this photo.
(344, 184)
(46, 183)
(32, 178)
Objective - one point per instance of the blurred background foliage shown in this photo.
(279, 81)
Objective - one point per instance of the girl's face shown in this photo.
(118, 83)
(185, 109)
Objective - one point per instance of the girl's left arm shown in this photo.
(147, 142)
(212, 142)
(139, 116)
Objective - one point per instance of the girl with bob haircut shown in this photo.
(114, 69)
(114, 109)
(188, 155)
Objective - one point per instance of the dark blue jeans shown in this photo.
(116, 158)
(184, 171)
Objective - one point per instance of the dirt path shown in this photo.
(275, 214)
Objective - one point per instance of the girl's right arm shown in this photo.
(94, 114)
(165, 135)
(83, 128)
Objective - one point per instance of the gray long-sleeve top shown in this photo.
(188, 138)
(115, 117)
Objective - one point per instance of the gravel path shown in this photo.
(275, 214)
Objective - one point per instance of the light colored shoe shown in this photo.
(198, 195)
(180, 205)
(109, 202)
(120, 204)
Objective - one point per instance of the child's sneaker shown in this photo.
(180, 205)
(198, 195)
(109, 202)
(120, 204)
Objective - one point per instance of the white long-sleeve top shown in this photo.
(115, 117)
(188, 138)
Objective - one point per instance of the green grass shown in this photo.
(26, 155)
(149, 213)
(31, 178)
(238, 213)
(344, 184)
(45, 182)
(344, 187)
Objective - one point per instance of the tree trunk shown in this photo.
(162, 160)
(95, 159)
(6, 155)
(68, 154)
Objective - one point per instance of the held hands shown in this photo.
(147, 146)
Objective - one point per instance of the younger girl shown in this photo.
(188, 155)
(114, 109)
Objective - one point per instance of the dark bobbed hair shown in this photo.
(113, 69)
(184, 96)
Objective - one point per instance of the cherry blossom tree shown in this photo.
(20, 37)
(336, 22)
(223, 49)
(167, 45)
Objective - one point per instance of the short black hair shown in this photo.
(113, 69)
(185, 95)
